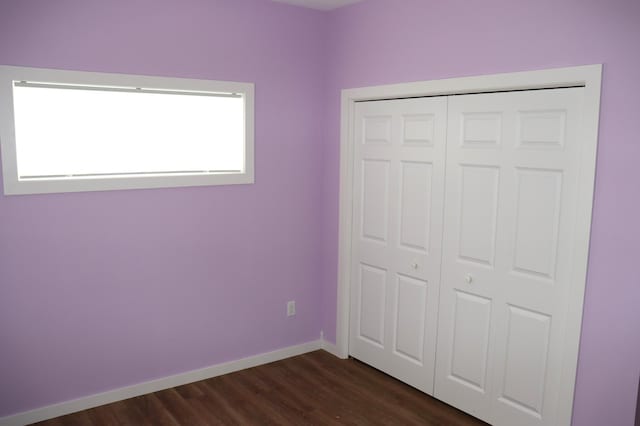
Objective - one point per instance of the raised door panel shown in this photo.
(418, 129)
(537, 222)
(478, 213)
(525, 366)
(415, 206)
(410, 315)
(375, 200)
(542, 129)
(470, 343)
(371, 309)
(376, 129)
(480, 130)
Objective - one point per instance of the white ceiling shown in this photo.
(320, 4)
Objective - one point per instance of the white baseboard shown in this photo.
(68, 407)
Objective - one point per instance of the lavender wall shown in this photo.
(103, 290)
(382, 41)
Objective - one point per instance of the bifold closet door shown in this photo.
(513, 163)
(399, 154)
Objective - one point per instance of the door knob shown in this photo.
(468, 278)
(414, 265)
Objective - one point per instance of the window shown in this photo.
(68, 131)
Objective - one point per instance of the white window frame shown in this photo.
(14, 186)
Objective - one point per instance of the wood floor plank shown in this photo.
(385, 411)
(311, 389)
(398, 396)
(179, 409)
(223, 404)
(103, 416)
(211, 412)
(251, 405)
(290, 395)
(190, 391)
(146, 410)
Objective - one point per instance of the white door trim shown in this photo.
(589, 76)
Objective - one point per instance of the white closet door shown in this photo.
(397, 229)
(511, 185)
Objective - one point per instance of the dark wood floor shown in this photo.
(311, 389)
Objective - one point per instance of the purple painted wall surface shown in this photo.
(383, 41)
(104, 290)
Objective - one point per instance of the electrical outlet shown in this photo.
(291, 308)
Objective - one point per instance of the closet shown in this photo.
(463, 240)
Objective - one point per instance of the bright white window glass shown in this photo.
(75, 132)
